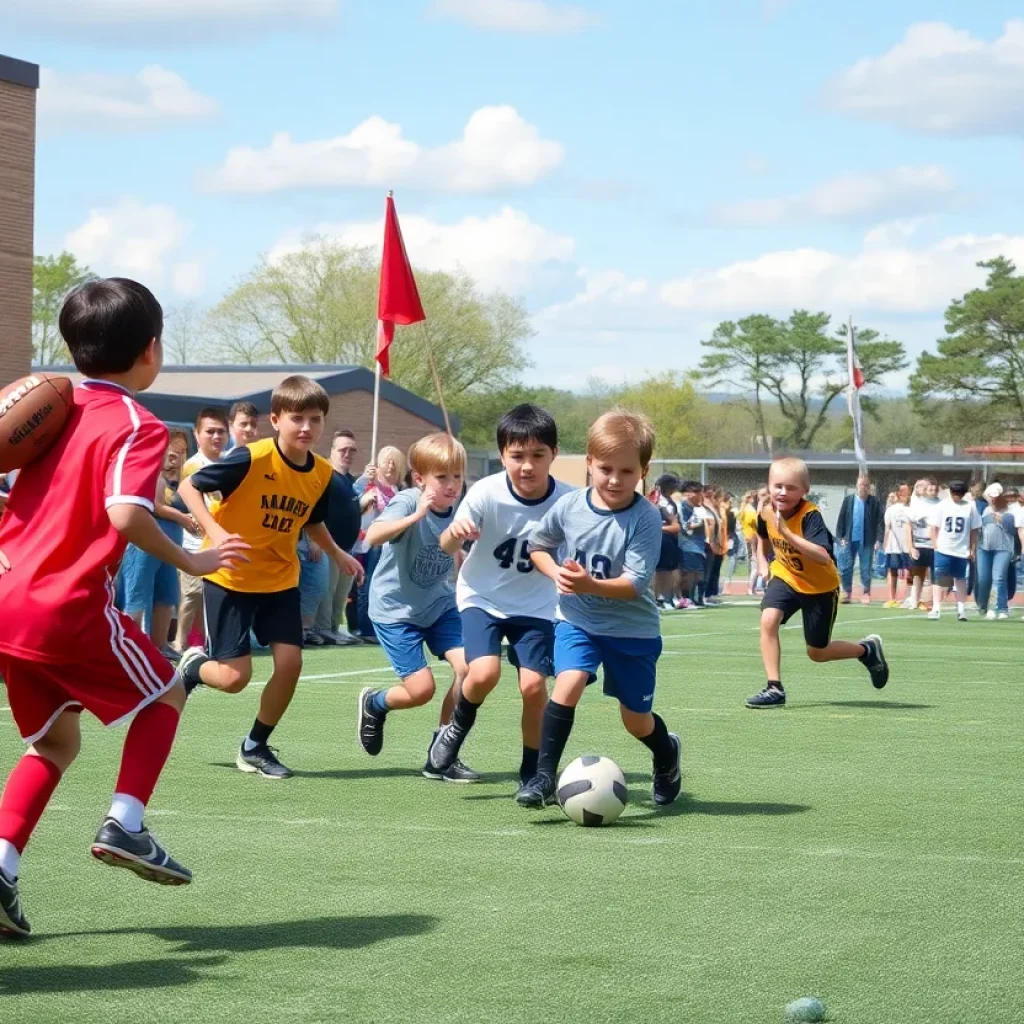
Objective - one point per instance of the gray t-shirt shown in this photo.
(413, 581)
(608, 545)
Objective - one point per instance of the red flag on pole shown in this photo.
(398, 301)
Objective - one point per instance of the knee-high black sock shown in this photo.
(660, 745)
(554, 735)
(528, 766)
(464, 714)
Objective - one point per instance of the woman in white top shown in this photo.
(897, 557)
(919, 538)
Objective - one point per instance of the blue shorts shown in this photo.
(896, 562)
(403, 642)
(630, 663)
(147, 581)
(531, 642)
(949, 565)
(691, 561)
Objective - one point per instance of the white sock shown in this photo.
(127, 811)
(936, 598)
(915, 591)
(9, 859)
(961, 608)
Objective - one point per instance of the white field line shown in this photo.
(757, 629)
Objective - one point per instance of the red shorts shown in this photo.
(112, 681)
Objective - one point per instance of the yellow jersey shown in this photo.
(789, 565)
(748, 522)
(266, 500)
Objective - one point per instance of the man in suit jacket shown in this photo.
(860, 531)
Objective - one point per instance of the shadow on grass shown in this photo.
(315, 933)
(645, 813)
(881, 705)
(351, 774)
(17, 981)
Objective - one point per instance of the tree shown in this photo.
(797, 363)
(975, 382)
(182, 338)
(670, 402)
(52, 278)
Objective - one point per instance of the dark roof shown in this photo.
(19, 72)
(875, 460)
(181, 391)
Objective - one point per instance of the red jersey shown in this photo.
(57, 601)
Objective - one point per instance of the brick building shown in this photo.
(18, 84)
(180, 392)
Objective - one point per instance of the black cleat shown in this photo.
(370, 729)
(138, 852)
(444, 751)
(769, 697)
(668, 783)
(12, 920)
(538, 792)
(456, 772)
(189, 664)
(874, 661)
(262, 761)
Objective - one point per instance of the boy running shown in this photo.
(63, 645)
(412, 595)
(500, 596)
(954, 525)
(606, 612)
(268, 492)
(793, 536)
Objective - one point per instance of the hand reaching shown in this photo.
(572, 578)
(350, 566)
(427, 498)
(228, 553)
(464, 529)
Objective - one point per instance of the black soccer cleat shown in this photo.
(769, 697)
(262, 761)
(538, 792)
(138, 852)
(874, 661)
(666, 784)
(12, 920)
(189, 664)
(370, 729)
(444, 751)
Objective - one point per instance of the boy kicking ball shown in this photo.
(412, 595)
(955, 525)
(792, 534)
(606, 612)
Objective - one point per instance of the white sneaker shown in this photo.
(1002, 615)
(990, 615)
(933, 614)
(909, 604)
(961, 616)
(343, 638)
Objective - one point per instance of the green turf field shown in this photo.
(856, 845)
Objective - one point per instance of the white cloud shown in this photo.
(939, 80)
(535, 17)
(497, 149)
(149, 22)
(505, 250)
(850, 196)
(138, 240)
(153, 97)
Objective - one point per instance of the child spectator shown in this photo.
(897, 557)
(955, 525)
(919, 538)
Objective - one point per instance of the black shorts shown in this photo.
(668, 560)
(231, 615)
(819, 610)
(531, 642)
(925, 559)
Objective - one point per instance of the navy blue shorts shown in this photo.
(403, 642)
(950, 565)
(531, 642)
(691, 561)
(895, 562)
(630, 663)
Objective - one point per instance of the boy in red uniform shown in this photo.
(63, 645)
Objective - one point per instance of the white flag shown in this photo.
(853, 397)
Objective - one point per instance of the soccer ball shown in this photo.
(592, 790)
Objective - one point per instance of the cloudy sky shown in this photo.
(637, 170)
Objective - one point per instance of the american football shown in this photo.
(33, 412)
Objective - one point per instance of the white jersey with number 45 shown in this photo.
(498, 576)
(955, 520)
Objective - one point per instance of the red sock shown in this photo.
(28, 791)
(146, 749)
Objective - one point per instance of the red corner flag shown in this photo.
(398, 301)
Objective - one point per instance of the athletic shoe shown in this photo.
(12, 920)
(769, 697)
(961, 616)
(933, 614)
(666, 785)
(1002, 615)
(866, 599)
(908, 605)
(891, 604)
(311, 638)
(538, 792)
(340, 637)
(170, 654)
(922, 607)
(188, 667)
(444, 750)
(846, 599)
(262, 760)
(326, 637)
(370, 729)
(990, 615)
(138, 852)
(460, 772)
(874, 661)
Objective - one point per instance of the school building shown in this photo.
(19, 81)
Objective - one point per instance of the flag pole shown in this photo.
(854, 400)
(376, 386)
(436, 376)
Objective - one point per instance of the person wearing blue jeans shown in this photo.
(994, 555)
(314, 577)
(858, 532)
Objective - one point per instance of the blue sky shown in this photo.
(637, 171)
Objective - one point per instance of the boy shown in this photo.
(211, 435)
(792, 534)
(919, 538)
(606, 611)
(954, 525)
(267, 491)
(63, 646)
(693, 520)
(412, 594)
(243, 423)
(500, 596)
